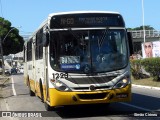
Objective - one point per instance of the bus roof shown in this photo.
(78, 12)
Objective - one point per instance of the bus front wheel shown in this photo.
(47, 106)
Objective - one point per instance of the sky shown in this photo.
(29, 14)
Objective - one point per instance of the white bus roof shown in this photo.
(78, 12)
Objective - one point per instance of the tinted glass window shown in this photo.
(29, 50)
(39, 45)
(88, 50)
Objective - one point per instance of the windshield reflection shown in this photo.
(88, 51)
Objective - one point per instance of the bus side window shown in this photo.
(53, 47)
(39, 45)
(29, 50)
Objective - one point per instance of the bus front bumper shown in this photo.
(59, 98)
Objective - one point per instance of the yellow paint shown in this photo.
(58, 98)
(32, 85)
(35, 87)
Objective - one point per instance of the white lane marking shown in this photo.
(13, 88)
(141, 108)
(147, 87)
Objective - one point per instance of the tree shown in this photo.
(147, 27)
(13, 43)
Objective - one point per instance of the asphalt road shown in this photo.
(145, 103)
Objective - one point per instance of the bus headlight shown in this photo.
(122, 83)
(61, 86)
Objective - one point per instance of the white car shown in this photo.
(21, 70)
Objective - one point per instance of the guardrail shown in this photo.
(148, 33)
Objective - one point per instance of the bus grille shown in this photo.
(91, 80)
(92, 96)
(87, 88)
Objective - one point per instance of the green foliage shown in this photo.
(136, 70)
(147, 27)
(152, 65)
(13, 42)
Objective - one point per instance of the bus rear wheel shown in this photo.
(41, 91)
(31, 93)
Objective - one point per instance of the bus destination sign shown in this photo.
(86, 20)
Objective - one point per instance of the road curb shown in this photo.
(148, 87)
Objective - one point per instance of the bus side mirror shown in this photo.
(45, 36)
(46, 39)
(130, 42)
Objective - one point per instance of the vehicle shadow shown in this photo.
(80, 111)
(14, 74)
(145, 101)
(114, 110)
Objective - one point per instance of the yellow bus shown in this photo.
(79, 57)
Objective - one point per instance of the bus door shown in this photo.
(45, 60)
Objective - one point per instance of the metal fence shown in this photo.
(148, 33)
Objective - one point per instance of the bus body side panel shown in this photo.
(31, 75)
(30, 65)
(25, 74)
(39, 72)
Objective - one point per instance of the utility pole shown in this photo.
(144, 34)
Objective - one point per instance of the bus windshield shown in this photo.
(88, 51)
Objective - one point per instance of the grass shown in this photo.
(146, 82)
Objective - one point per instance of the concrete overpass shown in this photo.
(150, 35)
(138, 38)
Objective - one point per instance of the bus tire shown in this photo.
(41, 91)
(31, 93)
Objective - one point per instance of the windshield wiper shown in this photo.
(101, 40)
(73, 34)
